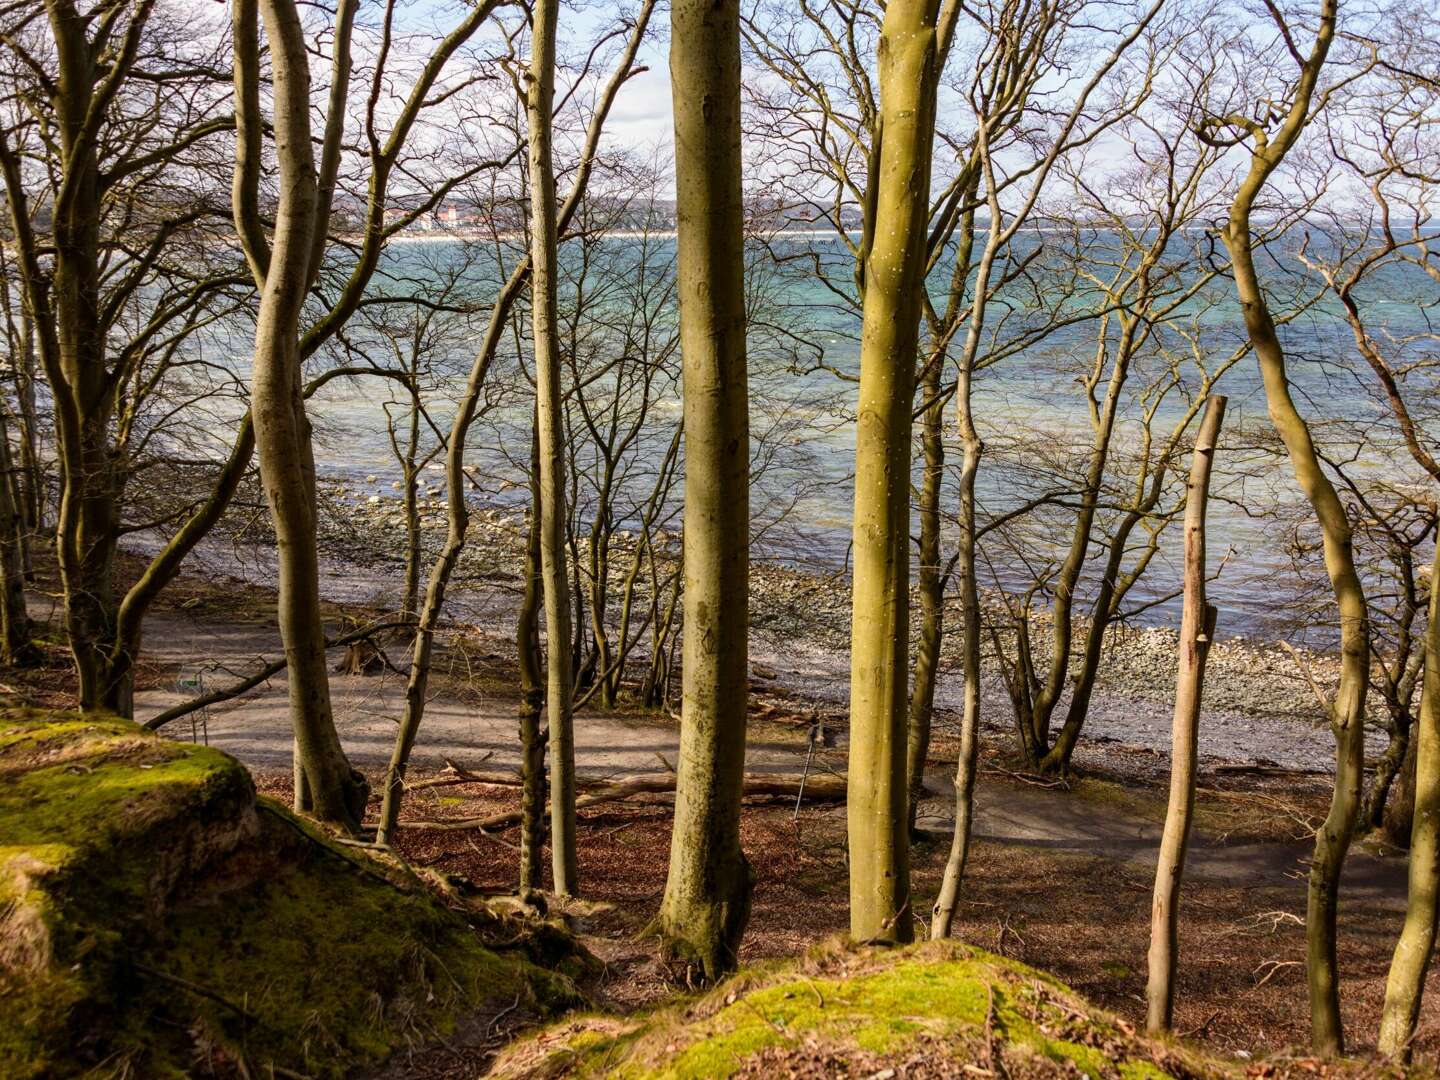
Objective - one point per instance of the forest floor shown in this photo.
(1060, 876)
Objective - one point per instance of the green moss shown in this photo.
(944, 995)
(156, 919)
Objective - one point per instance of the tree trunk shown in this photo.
(16, 648)
(84, 402)
(532, 695)
(1398, 756)
(550, 424)
(907, 63)
(942, 916)
(1399, 817)
(1348, 709)
(1406, 983)
(337, 793)
(707, 893)
(410, 605)
(457, 512)
(1197, 631)
(930, 587)
(457, 524)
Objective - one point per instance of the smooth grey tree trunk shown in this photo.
(908, 64)
(550, 425)
(331, 789)
(707, 893)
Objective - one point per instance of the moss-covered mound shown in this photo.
(938, 1010)
(156, 919)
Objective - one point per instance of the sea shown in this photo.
(619, 340)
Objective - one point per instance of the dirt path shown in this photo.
(256, 727)
(256, 730)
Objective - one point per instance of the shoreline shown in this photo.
(1259, 706)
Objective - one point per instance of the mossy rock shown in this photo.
(936, 1010)
(157, 919)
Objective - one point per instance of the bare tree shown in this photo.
(285, 268)
(1267, 142)
(110, 116)
(1382, 140)
(456, 479)
(1019, 55)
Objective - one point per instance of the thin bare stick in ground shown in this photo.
(1197, 630)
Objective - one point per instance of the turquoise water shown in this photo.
(804, 343)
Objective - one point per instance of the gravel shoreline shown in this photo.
(1259, 705)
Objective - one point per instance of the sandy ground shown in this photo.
(256, 729)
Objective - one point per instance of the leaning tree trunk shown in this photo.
(1406, 984)
(908, 63)
(1197, 631)
(1347, 711)
(336, 793)
(707, 893)
(457, 513)
(550, 424)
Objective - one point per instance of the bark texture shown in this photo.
(335, 791)
(1347, 711)
(550, 428)
(707, 893)
(899, 187)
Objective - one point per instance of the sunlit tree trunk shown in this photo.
(907, 61)
(1347, 711)
(336, 793)
(1405, 986)
(1197, 630)
(550, 424)
(707, 893)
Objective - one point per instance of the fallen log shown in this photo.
(1255, 768)
(821, 788)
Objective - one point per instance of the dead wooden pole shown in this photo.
(1197, 629)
